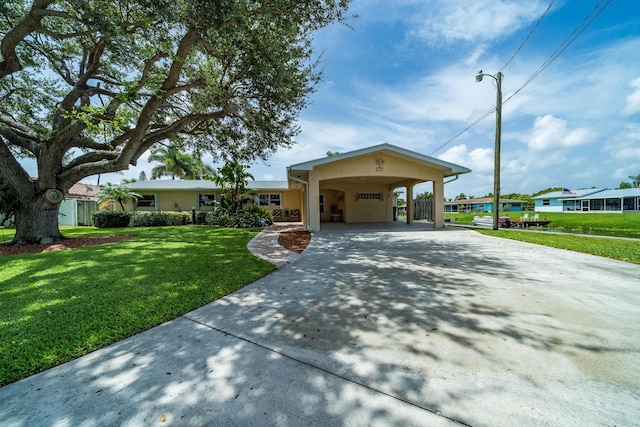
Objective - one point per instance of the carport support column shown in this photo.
(438, 203)
(314, 202)
(410, 206)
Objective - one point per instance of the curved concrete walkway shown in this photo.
(375, 325)
(265, 244)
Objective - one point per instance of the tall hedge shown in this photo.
(111, 219)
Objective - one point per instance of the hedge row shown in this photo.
(250, 218)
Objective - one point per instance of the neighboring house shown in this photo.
(78, 204)
(352, 187)
(589, 200)
(484, 204)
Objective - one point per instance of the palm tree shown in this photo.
(232, 179)
(175, 163)
(635, 180)
(117, 194)
(199, 168)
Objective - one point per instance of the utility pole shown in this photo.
(496, 151)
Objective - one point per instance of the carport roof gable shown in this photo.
(449, 168)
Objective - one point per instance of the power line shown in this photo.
(577, 31)
(535, 27)
(565, 44)
(484, 116)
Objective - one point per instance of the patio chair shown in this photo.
(295, 214)
(525, 217)
(536, 217)
(277, 214)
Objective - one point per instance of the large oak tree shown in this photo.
(88, 86)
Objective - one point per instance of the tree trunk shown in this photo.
(37, 222)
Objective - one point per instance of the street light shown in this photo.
(496, 151)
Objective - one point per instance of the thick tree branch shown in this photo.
(28, 132)
(11, 63)
(15, 137)
(80, 171)
(91, 157)
(187, 87)
(13, 174)
(131, 150)
(166, 132)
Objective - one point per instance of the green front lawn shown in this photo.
(57, 306)
(606, 224)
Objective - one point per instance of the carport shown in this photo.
(359, 186)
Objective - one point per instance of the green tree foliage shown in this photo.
(624, 185)
(635, 181)
(425, 195)
(199, 169)
(527, 199)
(173, 162)
(117, 194)
(88, 86)
(546, 190)
(232, 179)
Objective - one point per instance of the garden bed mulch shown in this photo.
(296, 241)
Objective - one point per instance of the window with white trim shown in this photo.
(270, 199)
(206, 200)
(147, 201)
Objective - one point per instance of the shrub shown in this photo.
(247, 218)
(155, 219)
(111, 219)
(201, 217)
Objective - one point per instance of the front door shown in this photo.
(585, 205)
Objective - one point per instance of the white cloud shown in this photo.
(479, 160)
(475, 20)
(620, 174)
(625, 146)
(587, 175)
(551, 133)
(633, 100)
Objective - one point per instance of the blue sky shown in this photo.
(405, 75)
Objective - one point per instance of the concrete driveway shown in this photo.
(375, 325)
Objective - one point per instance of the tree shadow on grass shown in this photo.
(87, 298)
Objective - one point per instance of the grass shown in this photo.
(591, 224)
(604, 224)
(620, 249)
(57, 306)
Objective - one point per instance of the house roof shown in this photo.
(612, 194)
(582, 192)
(482, 200)
(192, 184)
(83, 190)
(450, 169)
